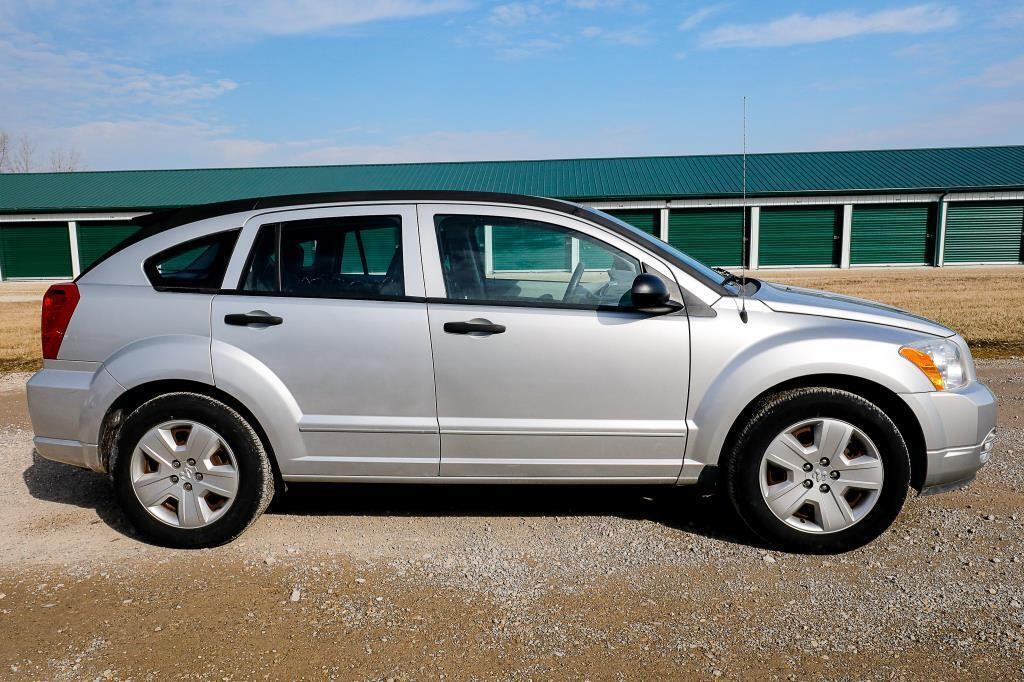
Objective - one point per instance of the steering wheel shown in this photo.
(574, 283)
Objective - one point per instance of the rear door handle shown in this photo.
(255, 317)
(474, 327)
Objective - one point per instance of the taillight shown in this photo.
(58, 305)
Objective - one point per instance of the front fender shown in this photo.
(733, 364)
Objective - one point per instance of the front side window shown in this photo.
(350, 257)
(491, 258)
(671, 253)
(196, 265)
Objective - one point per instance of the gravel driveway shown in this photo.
(432, 582)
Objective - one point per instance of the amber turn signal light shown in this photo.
(925, 363)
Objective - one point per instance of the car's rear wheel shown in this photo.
(818, 470)
(190, 471)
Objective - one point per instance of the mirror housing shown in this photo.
(650, 295)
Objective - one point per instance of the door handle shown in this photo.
(256, 317)
(474, 327)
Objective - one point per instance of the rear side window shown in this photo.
(343, 257)
(197, 265)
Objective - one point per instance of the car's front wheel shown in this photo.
(189, 471)
(818, 470)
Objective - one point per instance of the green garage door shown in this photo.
(648, 221)
(891, 235)
(712, 236)
(984, 233)
(95, 239)
(35, 250)
(799, 236)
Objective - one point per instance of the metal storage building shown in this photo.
(808, 209)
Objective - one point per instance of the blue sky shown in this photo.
(197, 83)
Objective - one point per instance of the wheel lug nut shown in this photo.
(823, 461)
(174, 479)
(833, 475)
(808, 483)
(808, 466)
(188, 486)
(199, 476)
(191, 462)
(823, 487)
(176, 464)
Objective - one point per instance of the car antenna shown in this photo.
(743, 202)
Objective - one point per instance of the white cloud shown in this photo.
(524, 49)
(1002, 75)
(188, 143)
(1011, 16)
(700, 16)
(514, 14)
(980, 124)
(799, 29)
(48, 92)
(635, 37)
(40, 80)
(256, 18)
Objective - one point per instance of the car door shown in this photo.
(329, 304)
(542, 370)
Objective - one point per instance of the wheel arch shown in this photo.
(888, 401)
(113, 419)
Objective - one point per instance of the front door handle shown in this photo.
(255, 317)
(474, 327)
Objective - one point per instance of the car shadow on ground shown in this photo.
(66, 484)
(683, 509)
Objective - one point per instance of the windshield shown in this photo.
(670, 251)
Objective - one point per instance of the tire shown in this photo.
(186, 508)
(849, 502)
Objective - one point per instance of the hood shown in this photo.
(789, 299)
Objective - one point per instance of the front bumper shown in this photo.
(959, 430)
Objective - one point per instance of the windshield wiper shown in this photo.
(729, 277)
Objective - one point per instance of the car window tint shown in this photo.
(195, 265)
(347, 256)
(491, 258)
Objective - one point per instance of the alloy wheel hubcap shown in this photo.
(821, 475)
(184, 474)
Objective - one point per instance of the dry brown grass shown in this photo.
(985, 304)
(20, 348)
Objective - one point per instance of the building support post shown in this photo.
(488, 250)
(844, 252)
(754, 245)
(940, 233)
(663, 224)
(76, 265)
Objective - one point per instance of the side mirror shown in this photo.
(650, 295)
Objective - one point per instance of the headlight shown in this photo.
(940, 361)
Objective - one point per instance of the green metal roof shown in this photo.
(964, 168)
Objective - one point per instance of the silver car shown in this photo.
(225, 351)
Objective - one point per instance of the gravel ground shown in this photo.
(429, 582)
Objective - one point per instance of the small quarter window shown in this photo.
(197, 265)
